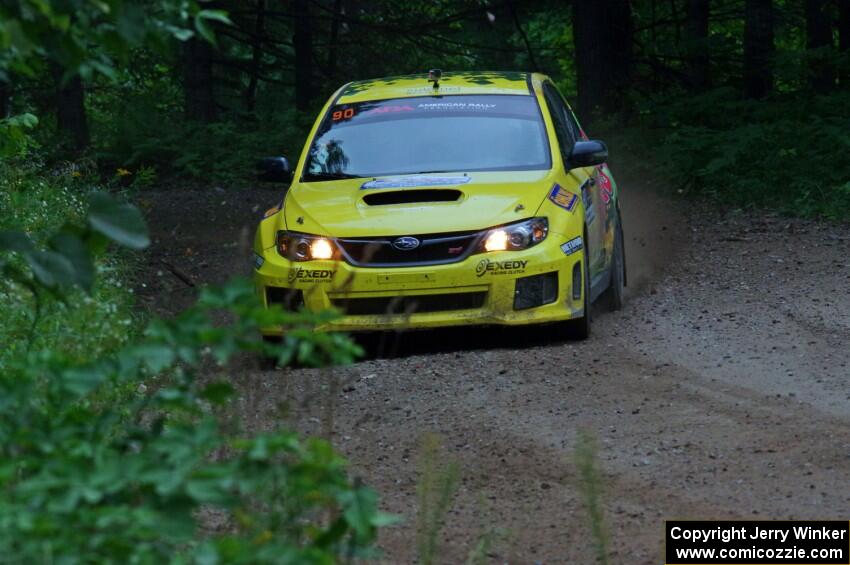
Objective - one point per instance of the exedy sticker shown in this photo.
(500, 267)
(563, 198)
(310, 275)
(572, 246)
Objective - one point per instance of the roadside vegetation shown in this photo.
(104, 422)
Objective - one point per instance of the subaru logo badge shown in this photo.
(406, 243)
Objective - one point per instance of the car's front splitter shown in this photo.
(500, 288)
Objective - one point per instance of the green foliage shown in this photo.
(67, 262)
(589, 485)
(438, 480)
(136, 474)
(34, 200)
(786, 153)
(64, 32)
(218, 152)
(15, 140)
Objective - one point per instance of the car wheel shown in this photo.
(615, 291)
(579, 328)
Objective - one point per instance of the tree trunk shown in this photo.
(602, 31)
(819, 43)
(758, 48)
(5, 99)
(697, 56)
(332, 44)
(71, 120)
(256, 55)
(303, 42)
(844, 40)
(198, 81)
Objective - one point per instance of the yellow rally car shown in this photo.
(443, 200)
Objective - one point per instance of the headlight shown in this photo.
(303, 247)
(515, 237)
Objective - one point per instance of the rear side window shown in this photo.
(565, 128)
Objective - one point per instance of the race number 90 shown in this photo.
(343, 114)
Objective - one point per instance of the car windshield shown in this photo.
(429, 134)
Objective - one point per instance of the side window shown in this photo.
(573, 125)
(570, 118)
(559, 113)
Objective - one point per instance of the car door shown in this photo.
(568, 132)
(604, 194)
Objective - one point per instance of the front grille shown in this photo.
(393, 305)
(434, 249)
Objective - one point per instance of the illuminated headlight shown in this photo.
(515, 237)
(303, 247)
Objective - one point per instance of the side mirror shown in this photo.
(274, 169)
(587, 154)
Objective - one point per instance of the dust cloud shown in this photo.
(654, 229)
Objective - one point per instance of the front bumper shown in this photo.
(488, 288)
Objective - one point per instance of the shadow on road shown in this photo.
(390, 345)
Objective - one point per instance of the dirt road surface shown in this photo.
(721, 390)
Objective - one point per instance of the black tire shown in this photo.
(616, 287)
(579, 328)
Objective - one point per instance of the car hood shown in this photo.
(414, 204)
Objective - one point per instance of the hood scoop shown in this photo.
(412, 196)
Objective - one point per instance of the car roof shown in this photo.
(468, 82)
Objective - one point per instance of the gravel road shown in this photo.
(719, 391)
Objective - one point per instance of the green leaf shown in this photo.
(156, 357)
(218, 392)
(183, 34)
(204, 30)
(217, 15)
(119, 221)
(75, 251)
(206, 490)
(15, 241)
(361, 507)
(50, 268)
(82, 380)
(383, 519)
(26, 121)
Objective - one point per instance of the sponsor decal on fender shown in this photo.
(500, 267)
(605, 187)
(572, 246)
(310, 275)
(563, 198)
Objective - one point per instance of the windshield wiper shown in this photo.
(329, 176)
